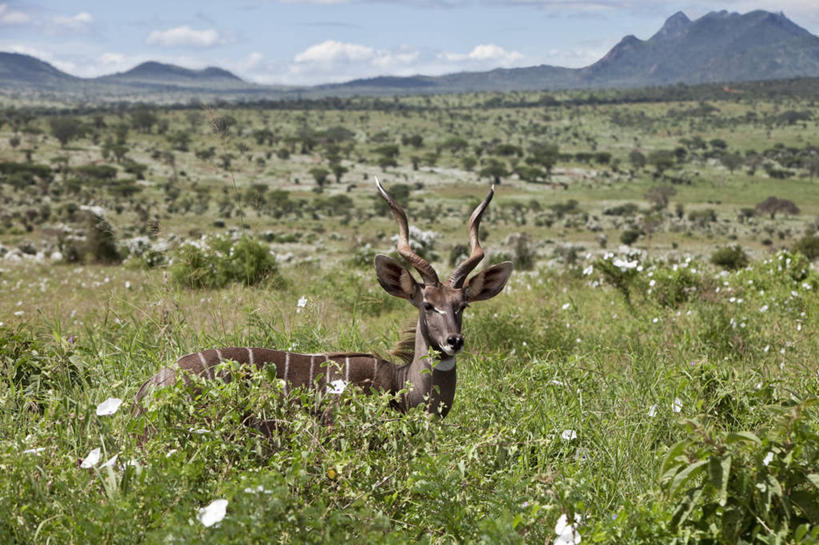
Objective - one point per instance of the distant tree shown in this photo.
(338, 171)
(772, 205)
(495, 170)
(544, 155)
(414, 140)
(143, 120)
(637, 159)
(65, 129)
(320, 175)
(661, 160)
(731, 161)
(179, 140)
(718, 144)
(659, 196)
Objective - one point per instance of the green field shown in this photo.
(649, 372)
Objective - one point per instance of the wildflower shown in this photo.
(652, 411)
(37, 450)
(588, 270)
(127, 284)
(336, 387)
(213, 513)
(566, 306)
(677, 405)
(568, 435)
(18, 313)
(258, 490)
(109, 406)
(91, 459)
(763, 308)
(768, 458)
(111, 461)
(301, 303)
(566, 533)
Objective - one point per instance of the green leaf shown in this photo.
(814, 479)
(742, 436)
(719, 470)
(686, 475)
(670, 461)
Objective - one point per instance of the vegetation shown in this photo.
(657, 392)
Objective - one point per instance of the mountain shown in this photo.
(156, 73)
(17, 70)
(718, 47)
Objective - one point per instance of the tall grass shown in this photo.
(569, 402)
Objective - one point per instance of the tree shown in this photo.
(494, 169)
(659, 196)
(143, 120)
(661, 159)
(543, 154)
(731, 161)
(772, 205)
(338, 171)
(320, 175)
(637, 159)
(65, 129)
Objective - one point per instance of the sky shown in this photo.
(307, 42)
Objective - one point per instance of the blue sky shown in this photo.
(296, 42)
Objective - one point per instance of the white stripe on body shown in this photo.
(250, 355)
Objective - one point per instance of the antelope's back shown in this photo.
(297, 370)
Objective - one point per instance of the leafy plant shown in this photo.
(737, 487)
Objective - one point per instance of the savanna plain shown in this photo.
(649, 374)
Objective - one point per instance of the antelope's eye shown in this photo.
(429, 307)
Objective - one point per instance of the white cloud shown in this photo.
(11, 16)
(75, 23)
(184, 36)
(332, 51)
(485, 53)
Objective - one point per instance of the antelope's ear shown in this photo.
(489, 282)
(394, 278)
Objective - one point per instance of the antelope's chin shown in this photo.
(449, 351)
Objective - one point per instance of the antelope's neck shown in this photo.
(431, 381)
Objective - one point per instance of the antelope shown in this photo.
(428, 378)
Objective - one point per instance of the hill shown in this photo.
(718, 47)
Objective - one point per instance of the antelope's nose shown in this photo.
(455, 341)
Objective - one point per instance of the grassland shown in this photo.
(642, 389)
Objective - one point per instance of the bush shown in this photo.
(630, 236)
(740, 488)
(808, 246)
(731, 258)
(222, 261)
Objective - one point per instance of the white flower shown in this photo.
(568, 435)
(213, 513)
(566, 533)
(588, 270)
(768, 458)
(91, 459)
(677, 405)
(170, 453)
(652, 411)
(109, 406)
(37, 450)
(336, 387)
(623, 264)
(111, 461)
(301, 303)
(566, 306)
(258, 490)
(763, 308)
(127, 284)
(18, 313)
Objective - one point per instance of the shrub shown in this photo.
(222, 261)
(740, 488)
(808, 246)
(630, 236)
(731, 258)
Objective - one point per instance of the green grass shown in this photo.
(557, 355)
